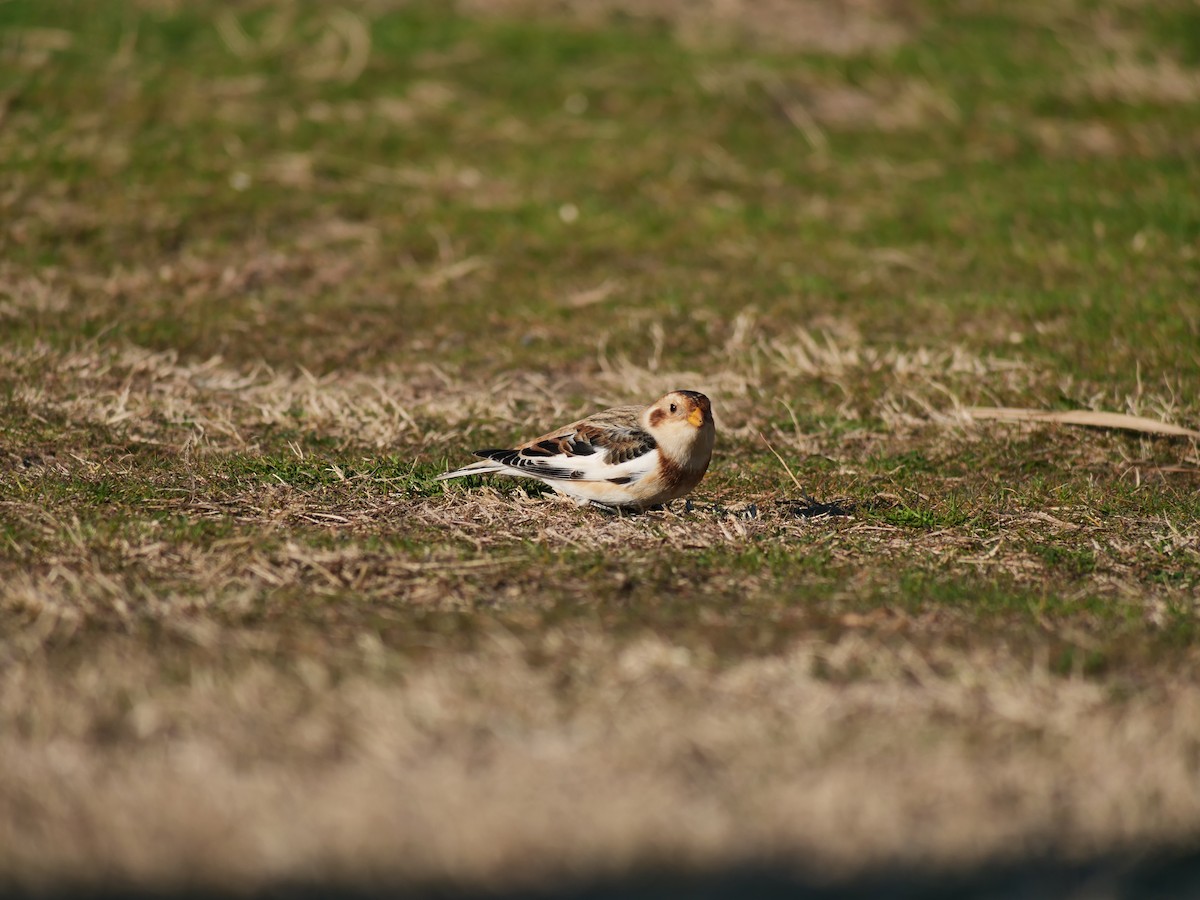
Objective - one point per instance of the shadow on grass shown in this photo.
(806, 508)
(1160, 875)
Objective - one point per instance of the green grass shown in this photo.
(999, 231)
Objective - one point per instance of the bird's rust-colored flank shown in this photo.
(625, 457)
(673, 475)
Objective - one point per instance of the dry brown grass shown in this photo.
(485, 769)
(844, 27)
(210, 405)
(208, 411)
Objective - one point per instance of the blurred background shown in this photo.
(498, 184)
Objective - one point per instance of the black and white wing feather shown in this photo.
(610, 446)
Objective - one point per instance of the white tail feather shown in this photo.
(483, 467)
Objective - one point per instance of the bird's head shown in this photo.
(681, 422)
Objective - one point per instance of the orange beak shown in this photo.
(696, 417)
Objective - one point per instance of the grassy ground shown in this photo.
(267, 268)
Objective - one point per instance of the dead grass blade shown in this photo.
(786, 468)
(1089, 418)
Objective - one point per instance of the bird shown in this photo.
(624, 458)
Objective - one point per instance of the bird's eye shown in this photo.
(674, 408)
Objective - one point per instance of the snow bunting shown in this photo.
(627, 457)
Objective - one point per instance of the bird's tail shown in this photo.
(483, 467)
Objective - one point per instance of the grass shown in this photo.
(267, 269)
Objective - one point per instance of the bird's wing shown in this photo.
(621, 444)
(609, 446)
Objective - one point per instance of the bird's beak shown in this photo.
(696, 417)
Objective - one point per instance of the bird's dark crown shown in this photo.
(695, 396)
